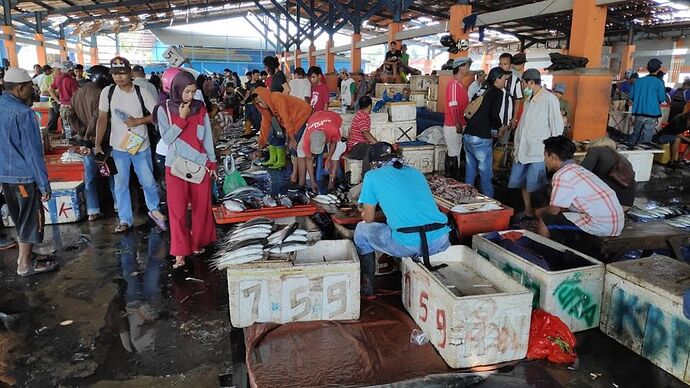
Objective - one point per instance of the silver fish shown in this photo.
(285, 201)
(234, 205)
(248, 235)
(257, 221)
(288, 248)
(244, 243)
(9, 320)
(269, 201)
(294, 238)
(282, 234)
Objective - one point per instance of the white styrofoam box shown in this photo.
(353, 166)
(384, 131)
(385, 265)
(67, 204)
(641, 161)
(420, 157)
(433, 92)
(402, 111)
(419, 98)
(473, 313)
(440, 152)
(305, 223)
(404, 131)
(377, 118)
(380, 88)
(643, 310)
(420, 82)
(573, 295)
(347, 123)
(320, 283)
(431, 105)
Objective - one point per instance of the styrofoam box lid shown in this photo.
(419, 93)
(402, 103)
(71, 185)
(661, 274)
(328, 251)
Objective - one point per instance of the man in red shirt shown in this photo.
(454, 120)
(322, 128)
(319, 91)
(62, 89)
(359, 137)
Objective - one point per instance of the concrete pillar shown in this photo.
(486, 61)
(627, 60)
(11, 45)
(312, 58)
(355, 53)
(457, 13)
(298, 58)
(80, 52)
(393, 29)
(41, 49)
(677, 61)
(63, 49)
(587, 31)
(330, 57)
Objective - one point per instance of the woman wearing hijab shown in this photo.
(185, 126)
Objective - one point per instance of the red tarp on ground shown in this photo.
(375, 349)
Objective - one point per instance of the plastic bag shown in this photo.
(419, 337)
(550, 338)
(233, 181)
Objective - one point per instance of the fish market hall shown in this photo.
(328, 193)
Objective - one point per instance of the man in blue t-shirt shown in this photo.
(406, 200)
(646, 95)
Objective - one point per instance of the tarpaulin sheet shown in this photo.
(375, 349)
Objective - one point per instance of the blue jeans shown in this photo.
(375, 236)
(91, 176)
(147, 289)
(479, 155)
(143, 167)
(643, 130)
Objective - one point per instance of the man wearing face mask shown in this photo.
(541, 119)
(23, 171)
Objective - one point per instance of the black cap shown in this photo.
(653, 65)
(531, 75)
(519, 59)
(381, 151)
(496, 73)
(138, 69)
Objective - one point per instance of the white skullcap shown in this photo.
(16, 76)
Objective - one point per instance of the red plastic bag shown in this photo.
(550, 338)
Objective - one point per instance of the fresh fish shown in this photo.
(262, 228)
(256, 221)
(269, 201)
(244, 243)
(324, 199)
(293, 238)
(299, 198)
(231, 167)
(245, 259)
(254, 202)
(288, 248)
(234, 205)
(285, 201)
(249, 233)
(9, 320)
(278, 237)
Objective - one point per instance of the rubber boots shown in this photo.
(367, 267)
(281, 158)
(452, 168)
(247, 128)
(272, 157)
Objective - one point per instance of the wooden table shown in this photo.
(643, 236)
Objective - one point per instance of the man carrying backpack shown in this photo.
(125, 108)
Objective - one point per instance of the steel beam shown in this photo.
(289, 19)
(7, 12)
(263, 35)
(277, 22)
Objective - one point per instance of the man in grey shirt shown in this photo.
(139, 79)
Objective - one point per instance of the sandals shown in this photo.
(94, 217)
(160, 222)
(200, 251)
(179, 263)
(122, 228)
(34, 269)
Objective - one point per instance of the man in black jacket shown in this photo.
(481, 128)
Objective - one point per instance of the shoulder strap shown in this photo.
(144, 111)
(110, 100)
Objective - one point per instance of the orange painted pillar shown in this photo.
(486, 61)
(355, 53)
(298, 58)
(312, 57)
(63, 48)
(80, 52)
(627, 60)
(41, 49)
(393, 29)
(587, 31)
(457, 13)
(93, 52)
(11, 45)
(330, 58)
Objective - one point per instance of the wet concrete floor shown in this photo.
(116, 314)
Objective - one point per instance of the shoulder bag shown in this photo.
(185, 169)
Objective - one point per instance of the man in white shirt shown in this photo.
(300, 86)
(476, 88)
(541, 119)
(139, 79)
(128, 108)
(348, 89)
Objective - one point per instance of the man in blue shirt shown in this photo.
(646, 95)
(23, 172)
(406, 200)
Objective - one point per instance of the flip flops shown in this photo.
(159, 222)
(121, 228)
(34, 270)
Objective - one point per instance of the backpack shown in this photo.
(154, 136)
(473, 107)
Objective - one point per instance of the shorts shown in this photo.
(531, 176)
(340, 148)
(453, 141)
(298, 138)
(666, 139)
(25, 208)
(560, 222)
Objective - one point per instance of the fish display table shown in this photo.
(641, 236)
(224, 216)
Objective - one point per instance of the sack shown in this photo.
(106, 166)
(550, 338)
(473, 107)
(132, 142)
(188, 170)
(622, 172)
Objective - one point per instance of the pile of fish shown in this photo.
(680, 222)
(657, 213)
(328, 199)
(256, 240)
(451, 190)
(250, 197)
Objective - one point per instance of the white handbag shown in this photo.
(186, 169)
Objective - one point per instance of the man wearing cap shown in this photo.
(62, 89)
(484, 125)
(322, 128)
(406, 200)
(541, 119)
(518, 67)
(127, 109)
(476, 89)
(139, 79)
(454, 120)
(646, 95)
(625, 86)
(348, 90)
(23, 171)
(559, 91)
